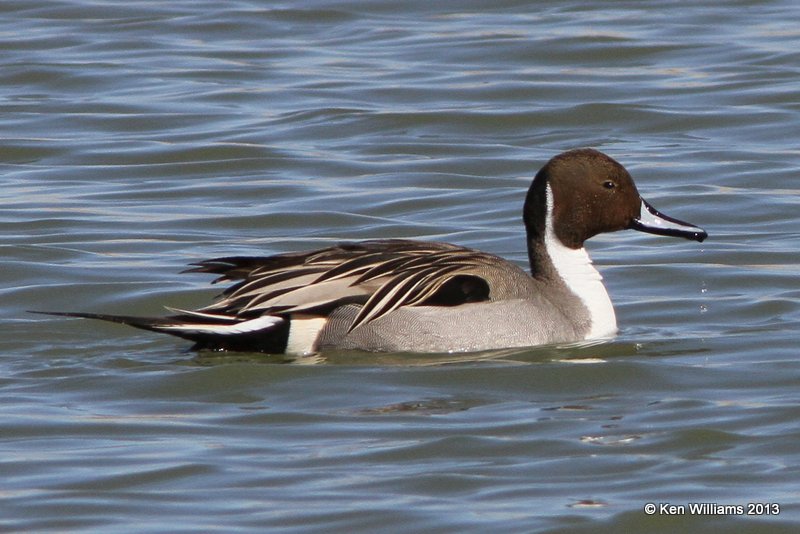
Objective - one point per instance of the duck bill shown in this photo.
(650, 220)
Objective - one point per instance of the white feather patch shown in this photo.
(576, 269)
(265, 322)
(303, 333)
(196, 313)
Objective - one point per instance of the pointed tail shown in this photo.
(266, 333)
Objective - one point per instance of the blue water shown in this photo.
(140, 137)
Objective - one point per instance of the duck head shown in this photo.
(581, 193)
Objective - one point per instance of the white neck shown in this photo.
(574, 266)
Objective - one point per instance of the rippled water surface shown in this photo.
(138, 137)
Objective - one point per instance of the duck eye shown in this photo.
(608, 184)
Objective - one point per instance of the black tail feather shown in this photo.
(145, 323)
(275, 342)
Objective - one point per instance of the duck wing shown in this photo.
(380, 275)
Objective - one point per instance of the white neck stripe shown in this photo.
(575, 268)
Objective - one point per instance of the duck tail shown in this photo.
(267, 333)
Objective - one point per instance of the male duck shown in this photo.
(413, 296)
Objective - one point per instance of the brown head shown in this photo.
(584, 192)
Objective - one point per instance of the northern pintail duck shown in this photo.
(413, 296)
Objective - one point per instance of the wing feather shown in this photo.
(382, 275)
(398, 291)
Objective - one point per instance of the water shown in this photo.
(139, 137)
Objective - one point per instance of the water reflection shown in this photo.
(585, 352)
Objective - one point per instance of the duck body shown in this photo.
(401, 295)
